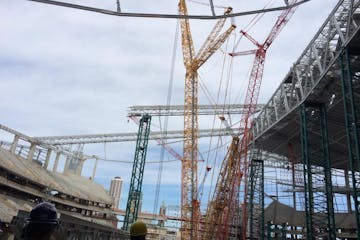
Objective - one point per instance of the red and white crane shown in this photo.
(233, 171)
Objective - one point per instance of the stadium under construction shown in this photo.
(291, 172)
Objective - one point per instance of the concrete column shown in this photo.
(31, 152)
(80, 166)
(14, 144)
(94, 170)
(47, 159)
(56, 161)
(66, 167)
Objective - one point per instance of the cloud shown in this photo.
(66, 71)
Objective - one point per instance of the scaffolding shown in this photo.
(256, 196)
(319, 209)
(348, 76)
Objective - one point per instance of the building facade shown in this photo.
(115, 190)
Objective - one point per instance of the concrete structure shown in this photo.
(115, 190)
(25, 181)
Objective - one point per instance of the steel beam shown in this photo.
(124, 137)
(178, 110)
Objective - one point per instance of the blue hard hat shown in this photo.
(44, 213)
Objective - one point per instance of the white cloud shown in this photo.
(65, 71)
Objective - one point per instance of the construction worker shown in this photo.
(42, 223)
(138, 231)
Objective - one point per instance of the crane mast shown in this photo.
(226, 214)
(190, 211)
(251, 99)
(132, 206)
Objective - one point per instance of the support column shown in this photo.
(327, 172)
(309, 209)
(67, 162)
(31, 152)
(47, 158)
(317, 172)
(256, 197)
(14, 144)
(268, 230)
(348, 195)
(352, 130)
(94, 170)
(80, 166)
(56, 163)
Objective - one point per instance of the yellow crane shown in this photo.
(190, 211)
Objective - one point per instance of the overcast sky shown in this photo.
(66, 71)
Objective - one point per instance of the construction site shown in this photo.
(204, 119)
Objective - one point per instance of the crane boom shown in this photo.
(251, 99)
(190, 211)
(240, 170)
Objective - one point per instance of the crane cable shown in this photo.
(228, 79)
(215, 103)
(252, 22)
(250, 25)
(168, 101)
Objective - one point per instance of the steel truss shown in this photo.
(319, 208)
(125, 137)
(132, 206)
(178, 110)
(256, 197)
(313, 64)
(351, 110)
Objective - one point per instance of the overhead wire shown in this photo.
(131, 162)
(212, 102)
(168, 101)
(208, 4)
(219, 142)
(248, 27)
(252, 23)
(167, 16)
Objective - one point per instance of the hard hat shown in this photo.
(44, 213)
(138, 229)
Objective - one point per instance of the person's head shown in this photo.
(42, 222)
(138, 231)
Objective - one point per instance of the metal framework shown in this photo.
(178, 110)
(190, 209)
(120, 13)
(132, 206)
(312, 68)
(124, 137)
(256, 197)
(252, 93)
(319, 208)
(351, 109)
(215, 224)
